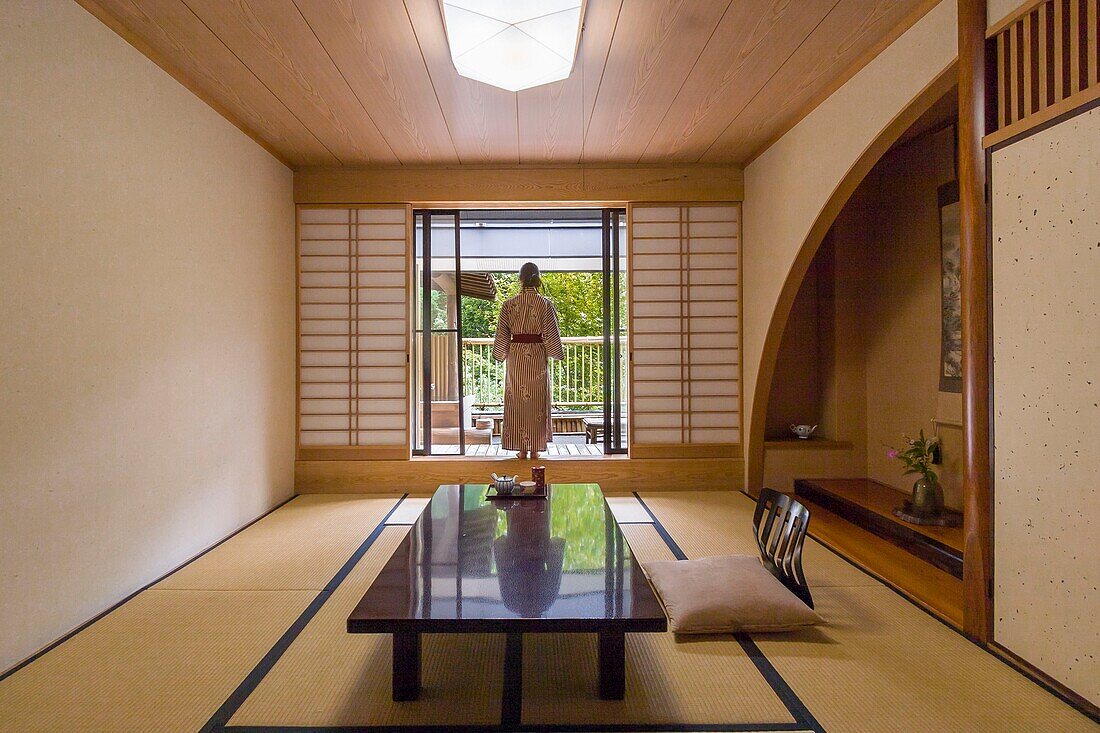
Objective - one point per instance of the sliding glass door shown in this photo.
(465, 265)
(439, 427)
(614, 331)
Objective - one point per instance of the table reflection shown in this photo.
(560, 557)
(529, 561)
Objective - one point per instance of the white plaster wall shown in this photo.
(789, 184)
(1046, 387)
(147, 329)
(998, 10)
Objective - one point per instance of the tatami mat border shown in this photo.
(512, 701)
(52, 645)
(992, 649)
(804, 719)
(531, 728)
(219, 719)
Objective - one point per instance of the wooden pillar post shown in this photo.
(974, 273)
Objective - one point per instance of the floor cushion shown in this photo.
(726, 593)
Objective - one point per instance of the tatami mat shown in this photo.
(300, 546)
(882, 664)
(164, 661)
(701, 681)
(705, 680)
(720, 523)
(169, 658)
(329, 677)
(879, 663)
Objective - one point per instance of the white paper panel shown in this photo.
(382, 374)
(324, 263)
(328, 280)
(338, 247)
(325, 231)
(1046, 390)
(383, 437)
(338, 310)
(309, 438)
(379, 341)
(663, 229)
(324, 216)
(655, 389)
(381, 263)
(324, 422)
(684, 299)
(369, 232)
(382, 216)
(654, 213)
(324, 327)
(337, 391)
(381, 359)
(714, 213)
(353, 292)
(326, 358)
(377, 295)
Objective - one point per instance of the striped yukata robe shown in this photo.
(527, 382)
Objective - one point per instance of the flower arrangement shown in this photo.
(919, 455)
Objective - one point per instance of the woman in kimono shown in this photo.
(527, 336)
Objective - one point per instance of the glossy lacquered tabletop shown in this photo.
(477, 564)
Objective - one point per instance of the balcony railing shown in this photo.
(576, 382)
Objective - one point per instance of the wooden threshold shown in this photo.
(613, 473)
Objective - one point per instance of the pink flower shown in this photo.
(892, 453)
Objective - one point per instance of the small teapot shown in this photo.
(803, 431)
(504, 484)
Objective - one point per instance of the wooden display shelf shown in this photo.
(808, 444)
(870, 504)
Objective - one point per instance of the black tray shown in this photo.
(517, 493)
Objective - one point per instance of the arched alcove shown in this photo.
(861, 349)
(887, 138)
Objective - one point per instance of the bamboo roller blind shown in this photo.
(1047, 55)
(353, 327)
(684, 305)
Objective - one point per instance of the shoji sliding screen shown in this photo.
(685, 328)
(353, 333)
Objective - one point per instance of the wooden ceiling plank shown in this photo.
(551, 121)
(374, 46)
(849, 37)
(652, 53)
(273, 39)
(552, 116)
(600, 21)
(176, 40)
(753, 40)
(482, 119)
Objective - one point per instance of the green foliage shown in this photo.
(578, 297)
(919, 455)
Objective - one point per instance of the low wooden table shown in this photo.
(454, 574)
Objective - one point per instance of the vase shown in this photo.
(927, 498)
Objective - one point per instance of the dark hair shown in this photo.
(529, 276)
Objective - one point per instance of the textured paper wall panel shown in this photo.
(1046, 326)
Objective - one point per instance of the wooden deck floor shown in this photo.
(494, 450)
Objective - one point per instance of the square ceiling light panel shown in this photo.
(513, 44)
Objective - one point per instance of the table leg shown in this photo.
(406, 666)
(612, 665)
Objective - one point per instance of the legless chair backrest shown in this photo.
(780, 524)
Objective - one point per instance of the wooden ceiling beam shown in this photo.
(473, 186)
